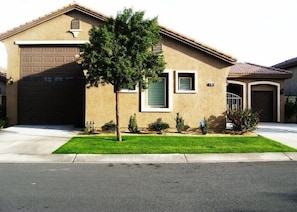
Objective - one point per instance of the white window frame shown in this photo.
(124, 90)
(177, 81)
(169, 95)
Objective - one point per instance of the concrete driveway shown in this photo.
(284, 133)
(31, 139)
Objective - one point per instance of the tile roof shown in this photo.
(287, 64)
(164, 31)
(249, 70)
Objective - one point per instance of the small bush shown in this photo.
(132, 126)
(3, 123)
(180, 123)
(243, 120)
(90, 128)
(110, 126)
(158, 125)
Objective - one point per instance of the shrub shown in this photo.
(180, 123)
(3, 123)
(90, 128)
(109, 126)
(158, 125)
(243, 120)
(132, 126)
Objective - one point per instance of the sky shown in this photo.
(262, 32)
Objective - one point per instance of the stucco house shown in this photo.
(47, 84)
(290, 88)
(258, 87)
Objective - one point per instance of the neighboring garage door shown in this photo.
(262, 101)
(51, 89)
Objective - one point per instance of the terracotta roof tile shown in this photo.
(249, 70)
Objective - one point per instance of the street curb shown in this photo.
(149, 158)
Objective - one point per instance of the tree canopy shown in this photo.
(120, 53)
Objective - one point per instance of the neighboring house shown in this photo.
(258, 87)
(2, 85)
(290, 89)
(49, 88)
(290, 84)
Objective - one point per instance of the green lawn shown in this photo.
(170, 144)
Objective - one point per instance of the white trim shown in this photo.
(126, 90)
(195, 73)
(265, 83)
(50, 42)
(243, 91)
(144, 106)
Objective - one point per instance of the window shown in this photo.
(158, 96)
(185, 82)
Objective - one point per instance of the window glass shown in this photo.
(185, 83)
(157, 93)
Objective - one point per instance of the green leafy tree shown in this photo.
(120, 53)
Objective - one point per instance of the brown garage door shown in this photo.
(262, 101)
(51, 89)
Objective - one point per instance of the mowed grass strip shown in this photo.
(170, 144)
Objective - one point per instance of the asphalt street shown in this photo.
(267, 186)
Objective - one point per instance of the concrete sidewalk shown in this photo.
(34, 144)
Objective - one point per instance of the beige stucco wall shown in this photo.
(208, 102)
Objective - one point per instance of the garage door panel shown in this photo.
(52, 88)
(262, 102)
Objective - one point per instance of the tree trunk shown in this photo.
(119, 137)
